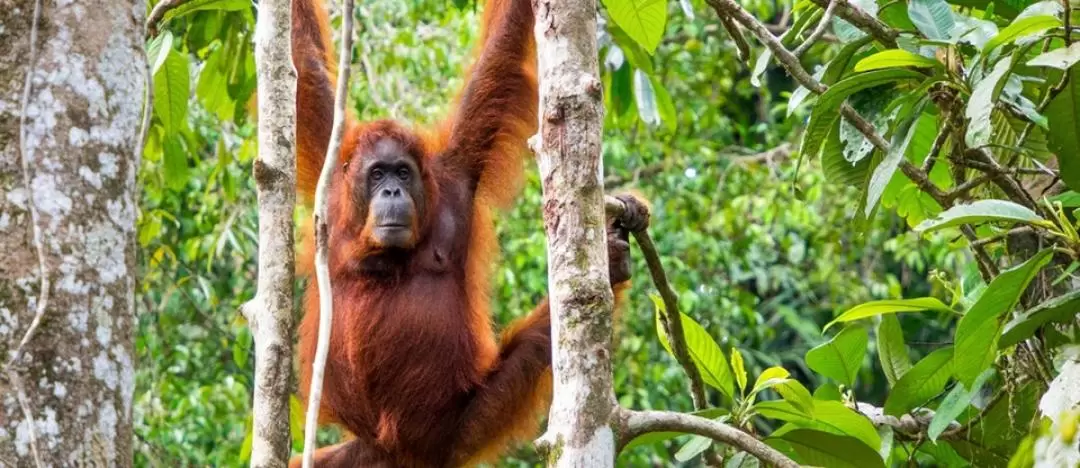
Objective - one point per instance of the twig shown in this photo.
(322, 235)
(939, 142)
(819, 31)
(912, 425)
(24, 404)
(153, 20)
(637, 423)
(737, 37)
(39, 243)
(880, 31)
(673, 318)
(966, 187)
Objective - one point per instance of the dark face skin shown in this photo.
(389, 185)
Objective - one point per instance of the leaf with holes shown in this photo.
(642, 20)
(841, 357)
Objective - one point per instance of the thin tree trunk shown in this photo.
(270, 312)
(72, 82)
(568, 148)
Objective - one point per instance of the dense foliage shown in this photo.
(918, 269)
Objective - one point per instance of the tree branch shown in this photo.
(154, 19)
(911, 425)
(819, 31)
(637, 423)
(322, 236)
(673, 318)
(880, 31)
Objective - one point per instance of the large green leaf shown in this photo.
(837, 169)
(924, 381)
(954, 404)
(894, 58)
(642, 20)
(191, 6)
(826, 415)
(981, 211)
(892, 352)
(884, 171)
(1062, 59)
(980, 328)
(933, 18)
(981, 105)
(703, 350)
(1064, 120)
(1059, 309)
(176, 162)
(889, 306)
(828, 104)
(841, 357)
(817, 448)
(172, 86)
(1021, 28)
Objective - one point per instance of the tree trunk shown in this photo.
(66, 386)
(270, 312)
(571, 106)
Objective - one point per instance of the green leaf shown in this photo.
(693, 448)
(954, 404)
(889, 306)
(642, 20)
(981, 105)
(841, 357)
(1062, 59)
(1021, 28)
(775, 373)
(795, 393)
(1064, 134)
(892, 352)
(739, 368)
(829, 416)
(760, 64)
(828, 105)
(981, 211)
(703, 350)
(884, 171)
(837, 169)
(828, 391)
(817, 448)
(172, 86)
(622, 91)
(979, 329)
(191, 6)
(1068, 199)
(923, 382)
(158, 50)
(669, 115)
(176, 163)
(893, 58)
(933, 18)
(1058, 309)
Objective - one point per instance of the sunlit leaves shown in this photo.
(703, 350)
(981, 211)
(191, 6)
(817, 448)
(1059, 309)
(1021, 28)
(894, 58)
(1061, 59)
(841, 357)
(892, 352)
(1064, 134)
(979, 329)
(981, 104)
(889, 306)
(642, 20)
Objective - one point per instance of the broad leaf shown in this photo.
(980, 328)
(693, 448)
(775, 373)
(923, 382)
(158, 50)
(817, 448)
(1064, 134)
(892, 352)
(191, 6)
(884, 171)
(795, 393)
(893, 58)
(841, 357)
(642, 20)
(828, 104)
(829, 416)
(703, 350)
(176, 162)
(1021, 28)
(1062, 59)
(172, 86)
(889, 306)
(981, 105)
(954, 404)
(981, 211)
(645, 97)
(738, 368)
(933, 18)
(1059, 309)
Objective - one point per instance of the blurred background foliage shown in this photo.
(760, 253)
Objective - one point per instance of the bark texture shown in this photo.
(269, 314)
(77, 133)
(568, 150)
